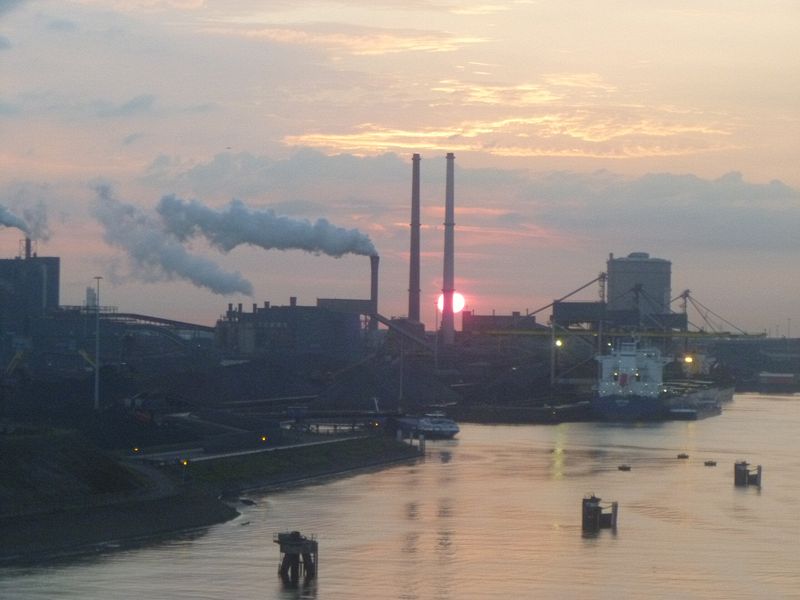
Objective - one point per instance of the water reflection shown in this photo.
(445, 507)
(498, 516)
(307, 591)
(444, 543)
(410, 543)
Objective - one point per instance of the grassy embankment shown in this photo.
(293, 464)
(57, 470)
(58, 494)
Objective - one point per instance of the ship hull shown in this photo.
(628, 408)
(690, 405)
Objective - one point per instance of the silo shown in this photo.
(639, 280)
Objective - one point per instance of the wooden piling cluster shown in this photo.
(595, 516)
(300, 557)
(744, 476)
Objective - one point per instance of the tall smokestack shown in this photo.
(414, 270)
(448, 280)
(374, 262)
(27, 247)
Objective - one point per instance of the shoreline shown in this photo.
(48, 536)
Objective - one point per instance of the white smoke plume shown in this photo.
(154, 254)
(36, 219)
(9, 219)
(239, 225)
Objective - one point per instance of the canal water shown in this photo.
(496, 514)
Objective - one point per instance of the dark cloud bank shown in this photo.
(665, 208)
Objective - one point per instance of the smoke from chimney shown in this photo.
(414, 258)
(239, 225)
(36, 220)
(9, 219)
(448, 279)
(156, 256)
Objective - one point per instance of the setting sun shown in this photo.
(458, 302)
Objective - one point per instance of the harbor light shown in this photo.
(559, 343)
(688, 360)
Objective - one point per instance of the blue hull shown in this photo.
(628, 408)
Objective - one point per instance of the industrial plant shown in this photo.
(342, 353)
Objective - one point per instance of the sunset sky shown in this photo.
(580, 128)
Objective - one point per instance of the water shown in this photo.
(496, 514)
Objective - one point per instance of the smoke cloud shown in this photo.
(36, 219)
(154, 254)
(239, 225)
(9, 219)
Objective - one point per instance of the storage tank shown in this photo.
(639, 280)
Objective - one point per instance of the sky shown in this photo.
(580, 129)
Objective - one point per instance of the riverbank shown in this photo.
(547, 414)
(293, 465)
(171, 501)
(38, 537)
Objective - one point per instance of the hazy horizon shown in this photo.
(579, 130)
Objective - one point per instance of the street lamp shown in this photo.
(97, 344)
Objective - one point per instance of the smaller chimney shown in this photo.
(374, 263)
(240, 307)
(292, 300)
(255, 307)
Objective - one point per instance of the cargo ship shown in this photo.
(631, 387)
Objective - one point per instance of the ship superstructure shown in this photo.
(631, 387)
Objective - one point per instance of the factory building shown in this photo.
(333, 327)
(290, 330)
(474, 323)
(29, 290)
(38, 337)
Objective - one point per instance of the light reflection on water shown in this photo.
(496, 514)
